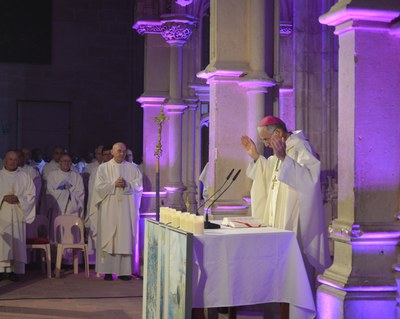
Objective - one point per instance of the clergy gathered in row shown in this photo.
(105, 193)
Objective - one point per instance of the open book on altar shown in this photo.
(241, 222)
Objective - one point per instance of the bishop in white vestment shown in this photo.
(286, 189)
(117, 194)
(17, 208)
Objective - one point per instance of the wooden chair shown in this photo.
(37, 237)
(69, 233)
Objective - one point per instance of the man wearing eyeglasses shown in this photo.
(286, 191)
(65, 190)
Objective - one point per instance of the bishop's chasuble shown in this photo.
(287, 195)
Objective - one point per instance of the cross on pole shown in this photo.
(157, 153)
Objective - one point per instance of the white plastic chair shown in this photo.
(69, 233)
(37, 237)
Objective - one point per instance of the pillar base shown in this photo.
(334, 303)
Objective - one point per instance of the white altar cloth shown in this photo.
(247, 266)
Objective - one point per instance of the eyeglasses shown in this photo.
(267, 139)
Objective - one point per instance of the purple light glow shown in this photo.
(233, 207)
(374, 242)
(344, 15)
(171, 189)
(153, 194)
(223, 73)
(378, 238)
(137, 250)
(357, 288)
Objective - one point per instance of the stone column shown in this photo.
(176, 33)
(238, 83)
(191, 186)
(361, 283)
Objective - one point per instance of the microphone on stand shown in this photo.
(207, 224)
(208, 199)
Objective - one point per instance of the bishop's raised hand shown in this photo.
(250, 147)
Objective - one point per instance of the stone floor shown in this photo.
(71, 296)
(35, 296)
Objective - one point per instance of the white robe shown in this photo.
(39, 165)
(296, 197)
(91, 210)
(90, 167)
(88, 175)
(66, 201)
(63, 201)
(204, 178)
(13, 219)
(33, 172)
(47, 201)
(48, 167)
(116, 215)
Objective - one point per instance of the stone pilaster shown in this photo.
(176, 32)
(191, 154)
(361, 283)
(151, 107)
(238, 84)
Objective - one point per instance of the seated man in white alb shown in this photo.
(65, 188)
(17, 208)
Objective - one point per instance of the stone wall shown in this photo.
(96, 69)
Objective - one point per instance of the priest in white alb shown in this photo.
(17, 208)
(65, 191)
(286, 191)
(117, 194)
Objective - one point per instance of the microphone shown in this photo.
(207, 224)
(208, 199)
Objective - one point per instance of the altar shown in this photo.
(222, 268)
(247, 266)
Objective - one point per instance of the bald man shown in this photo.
(17, 208)
(117, 194)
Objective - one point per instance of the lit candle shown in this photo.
(175, 218)
(184, 221)
(191, 222)
(198, 225)
(162, 214)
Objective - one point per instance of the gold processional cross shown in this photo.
(157, 153)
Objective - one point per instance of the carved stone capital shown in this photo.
(145, 27)
(177, 31)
